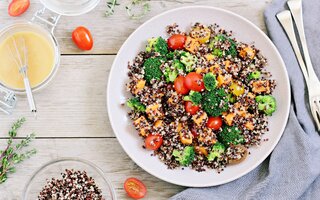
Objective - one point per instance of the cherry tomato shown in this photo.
(194, 81)
(153, 142)
(135, 188)
(81, 36)
(176, 41)
(17, 7)
(190, 108)
(214, 123)
(179, 85)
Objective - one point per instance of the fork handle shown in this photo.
(285, 20)
(295, 7)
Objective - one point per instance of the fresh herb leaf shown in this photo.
(12, 154)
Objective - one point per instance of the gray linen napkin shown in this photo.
(292, 171)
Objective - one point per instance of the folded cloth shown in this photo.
(292, 170)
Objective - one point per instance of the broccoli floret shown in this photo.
(231, 135)
(232, 49)
(172, 72)
(152, 69)
(179, 66)
(254, 75)
(267, 104)
(216, 152)
(215, 102)
(189, 61)
(210, 82)
(220, 37)
(170, 55)
(136, 105)
(194, 97)
(184, 157)
(217, 52)
(158, 45)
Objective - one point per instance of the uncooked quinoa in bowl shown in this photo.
(200, 98)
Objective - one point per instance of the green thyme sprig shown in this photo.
(136, 9)
(12, 155)
(111, 4)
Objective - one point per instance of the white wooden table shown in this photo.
(72, 119)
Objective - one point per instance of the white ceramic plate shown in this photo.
(128, 137)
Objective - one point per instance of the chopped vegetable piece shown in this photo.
(184, 157)
(136, 105)
(152, 69)
(210, 81)
(194, 97)
(216, 152)
(189, 61)
(176, 41)
(231, 135)
(267, 104)
(215, 102)
(135, 188)
(158, 45)
(153, 142)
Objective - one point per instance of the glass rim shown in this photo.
(66, 159)
(53, 41)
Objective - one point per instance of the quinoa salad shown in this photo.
(200, 98)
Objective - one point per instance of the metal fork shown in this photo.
(310, 76)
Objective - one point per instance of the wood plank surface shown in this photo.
(105, 153)
(110, 32)
(73, 104)
(72, 120)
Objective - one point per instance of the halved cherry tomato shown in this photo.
(194, 81)
(153, 142)
(135, 188)
(190, 108)
(81, 36)
(17, 7)
(179, 85)
(214, 123)
(176, 41)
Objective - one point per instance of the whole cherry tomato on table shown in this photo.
(153, 142)
(179, 85)
(176, 41)
(135, 188)
(190, 108)
(81, 36)
(18, 7)
(194, 81)
(214, 123)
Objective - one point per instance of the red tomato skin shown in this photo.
(82, 37)
(190, 108)
(24, 5)
(194, 81)
(153, 142)
(179, 85)
(142, 190)
(176, 41)
(214, 123)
